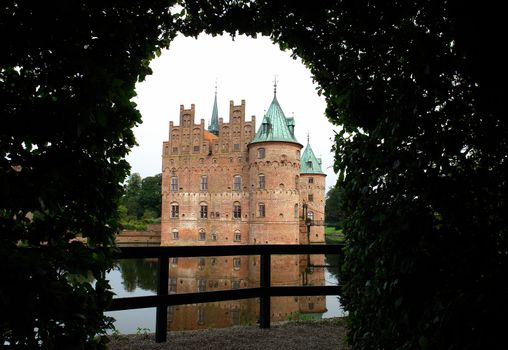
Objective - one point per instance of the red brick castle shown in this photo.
(232, 185)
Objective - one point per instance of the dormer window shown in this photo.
(309, 164)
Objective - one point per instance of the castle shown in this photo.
(232, 185)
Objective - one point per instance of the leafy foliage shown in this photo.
(67, 76)
(423, 157)
(142, 198)
(333, 210)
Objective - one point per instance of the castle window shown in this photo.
(261, 210)
(201, 235)
(238, 236)
(262, 182)
(174, 261)
(310, 215)
(237, 183)
(172, 285)
(236, 263)
(196, 148)
(175, 150)
(175, 233)
(311, 198)
(174, 184)
(237, 210)
(297, 154)
(201, 285)
(296, 181)
(201, 263)
(261, 153)
(311, 180)
(235, 284)
(214, 236)
(175, 210)
(204, 183)
(203, 212)
(296, 211)
(236, 147)
(311, 306)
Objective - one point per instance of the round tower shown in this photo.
(312, 197)
(274, 169)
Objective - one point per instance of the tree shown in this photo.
(150, 196)
(143, 196)
(417, 88)
(131, 197)
(67, 75)
(333, 211)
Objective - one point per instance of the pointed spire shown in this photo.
(309, 164)
(214, 124)
(275, 126)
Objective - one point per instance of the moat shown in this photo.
(139, 278)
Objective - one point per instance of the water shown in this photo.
(139, 278)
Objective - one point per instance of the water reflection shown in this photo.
(189, 275)
(139, 273)
(221, 273)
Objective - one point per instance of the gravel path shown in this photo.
(322, 335)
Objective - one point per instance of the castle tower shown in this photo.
(312, 195)
(274, 168)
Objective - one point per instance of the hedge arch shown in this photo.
(423, 157)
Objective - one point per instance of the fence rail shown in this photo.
(162, 300)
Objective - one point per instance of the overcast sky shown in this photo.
(244, 70)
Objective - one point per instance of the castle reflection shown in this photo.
(190, 275)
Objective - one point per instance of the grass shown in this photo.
(333, 235)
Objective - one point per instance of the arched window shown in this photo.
(310, 215)
(175, 210)
(261, 153)
(237, 210)
(261, 210)
(238, 236)
(237, 183)
(174, 233)
(203, 211)
(296, 181)
(201, 235)
(214, 236)
(296, 211)
(261, 178)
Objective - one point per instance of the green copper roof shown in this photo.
(309, 164)
(275, 126)
(214, 125)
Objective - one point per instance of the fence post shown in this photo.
(264, 300)
(161, 318)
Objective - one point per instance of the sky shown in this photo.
(244, 69)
